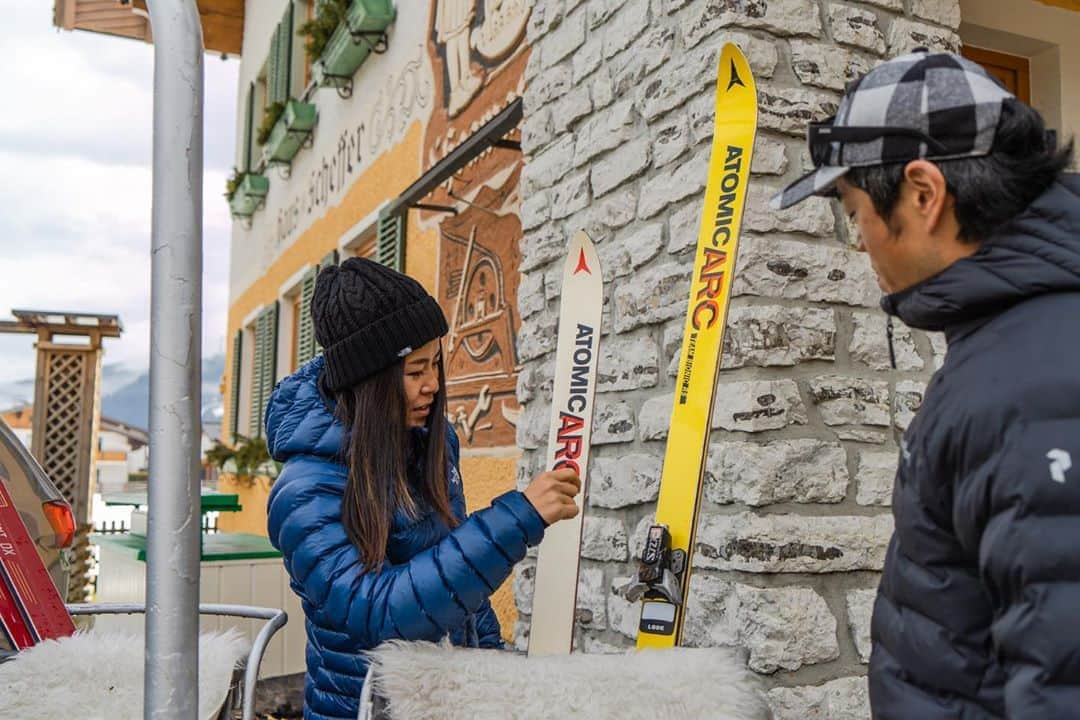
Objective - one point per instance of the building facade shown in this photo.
(470, 144)
(412, 156)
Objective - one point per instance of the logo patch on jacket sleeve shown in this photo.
(1060, 463)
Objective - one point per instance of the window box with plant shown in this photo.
(286, 122)
(342, 35)
(246, 191)
(284, 130)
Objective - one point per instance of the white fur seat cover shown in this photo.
(99, 676)
(421, 681)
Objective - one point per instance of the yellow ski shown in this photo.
(663, 577)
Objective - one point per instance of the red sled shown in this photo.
(31, 608)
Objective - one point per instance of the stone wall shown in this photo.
(795, 521)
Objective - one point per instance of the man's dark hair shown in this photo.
(990, 190)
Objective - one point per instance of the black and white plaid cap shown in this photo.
(943, 97)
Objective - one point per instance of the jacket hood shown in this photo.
(1037, 253)
(299, 420)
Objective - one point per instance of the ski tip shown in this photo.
(580, 239)
(734, 70)
(581, 257)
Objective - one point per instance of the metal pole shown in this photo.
(173, 554)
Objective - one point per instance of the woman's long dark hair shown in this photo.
(377, 446)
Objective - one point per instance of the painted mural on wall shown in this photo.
(478, 56)
(493, 38)
(478, 284)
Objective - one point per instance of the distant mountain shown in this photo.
(115, 376)
(20, 392)
(213, 403)
(130, 403)
(125, 393)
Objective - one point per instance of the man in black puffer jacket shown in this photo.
(973, 228)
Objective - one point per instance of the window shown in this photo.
(390, 241)
(263, 367)
(254, 110)
(241, 381)
(262, 104)
(247, 150)
(365, 249)
(273, 87)
(290, 297)
(306, 345)
(363, 243)
(294, 306)
(235, 384)
(283, 73)
(252, 373)
(1012, 70)
(301, 58)
(279, 61)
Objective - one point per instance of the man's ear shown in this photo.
(928, 191)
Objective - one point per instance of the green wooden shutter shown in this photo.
(234, 385)
(279, 61)
(264, 377)
(288, 34)
(331, 258)
(269, 374)
(273, 68)
(249, 122)
(305, 333)
(390, 243)
(255, 399)
(307, 346)
(281, 51)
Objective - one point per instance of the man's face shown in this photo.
(900, 249)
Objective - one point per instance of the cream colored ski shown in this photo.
(576, 358)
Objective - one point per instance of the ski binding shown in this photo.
(659, 575)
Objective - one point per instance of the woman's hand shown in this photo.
(552, 494)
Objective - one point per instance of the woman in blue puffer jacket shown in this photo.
(368, 510)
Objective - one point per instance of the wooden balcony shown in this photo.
(222, 20)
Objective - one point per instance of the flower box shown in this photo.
(290, 132)
(249, 195)
(353, 41)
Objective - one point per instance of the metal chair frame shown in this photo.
(242, 689)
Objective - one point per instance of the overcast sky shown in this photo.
(75, 148)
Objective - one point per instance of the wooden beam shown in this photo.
(222, 23)
(223, 33)
(222, 20)
(104, 13)
(64, 14)
(80, 330)
(229, 8)
(15, 327)
(12, 327)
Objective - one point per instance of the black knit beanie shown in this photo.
(367, 317)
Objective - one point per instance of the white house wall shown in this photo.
(391, 91)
